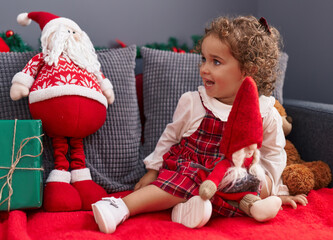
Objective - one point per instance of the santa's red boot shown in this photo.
(59, 194)
(90, 192)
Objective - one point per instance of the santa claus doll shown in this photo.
(68, 92)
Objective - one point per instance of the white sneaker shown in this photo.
(109, 213)
(194, 213)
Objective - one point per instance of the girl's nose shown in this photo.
(204, 68)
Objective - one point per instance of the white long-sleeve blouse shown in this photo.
(189, 114)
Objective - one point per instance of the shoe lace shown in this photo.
(114, 204)
(111, 201)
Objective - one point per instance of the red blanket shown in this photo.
(315, 221)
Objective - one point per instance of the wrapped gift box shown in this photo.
(21, 171)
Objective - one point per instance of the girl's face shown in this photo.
(219, 70)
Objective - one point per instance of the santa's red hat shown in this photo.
(244, 125)
(45, 20)
(3, 46)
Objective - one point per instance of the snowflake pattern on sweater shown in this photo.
(65, 73)
(65, 78)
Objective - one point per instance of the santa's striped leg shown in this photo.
(59, 194)
(90, 192)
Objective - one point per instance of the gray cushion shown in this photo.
(166, 76)
(112, 153)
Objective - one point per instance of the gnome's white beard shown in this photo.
(56, 41)
(236, 173)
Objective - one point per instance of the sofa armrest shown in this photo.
(312, 132)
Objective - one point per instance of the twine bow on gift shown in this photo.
(12, 168)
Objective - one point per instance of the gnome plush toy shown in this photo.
(242, 137)
(68, 92)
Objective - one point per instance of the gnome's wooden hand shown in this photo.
(209, 187)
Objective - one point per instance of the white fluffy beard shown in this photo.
(57, 40)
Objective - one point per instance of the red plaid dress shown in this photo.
(181, 178)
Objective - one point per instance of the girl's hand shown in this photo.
(148, 178)
(293, 200)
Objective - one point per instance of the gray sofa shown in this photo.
(312, 132)
(114, 155)
(115, 152)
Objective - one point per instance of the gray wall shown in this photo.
(132, 21)
(304, 24)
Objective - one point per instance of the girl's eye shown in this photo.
(203, 59)
(216, 62)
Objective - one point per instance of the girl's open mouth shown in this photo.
(209, 83)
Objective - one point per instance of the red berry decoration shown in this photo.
(9, 33)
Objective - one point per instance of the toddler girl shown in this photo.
(231, 50)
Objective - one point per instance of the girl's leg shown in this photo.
(110, 212)
(149, 199)
(192, 213)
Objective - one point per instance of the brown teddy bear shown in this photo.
(300, 176)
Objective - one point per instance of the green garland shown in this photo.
(15, 43)
(171, 45)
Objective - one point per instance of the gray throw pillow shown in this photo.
(112, 153)
(166, 76)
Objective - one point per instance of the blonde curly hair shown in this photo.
(256, 47)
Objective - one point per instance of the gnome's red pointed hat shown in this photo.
(244, 125)
(45, 20)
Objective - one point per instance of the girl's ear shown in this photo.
(244, 73)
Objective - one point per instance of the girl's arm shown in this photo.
(182, 121)
(273, 156)
(174, 131)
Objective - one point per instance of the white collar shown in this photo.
(222, 110)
